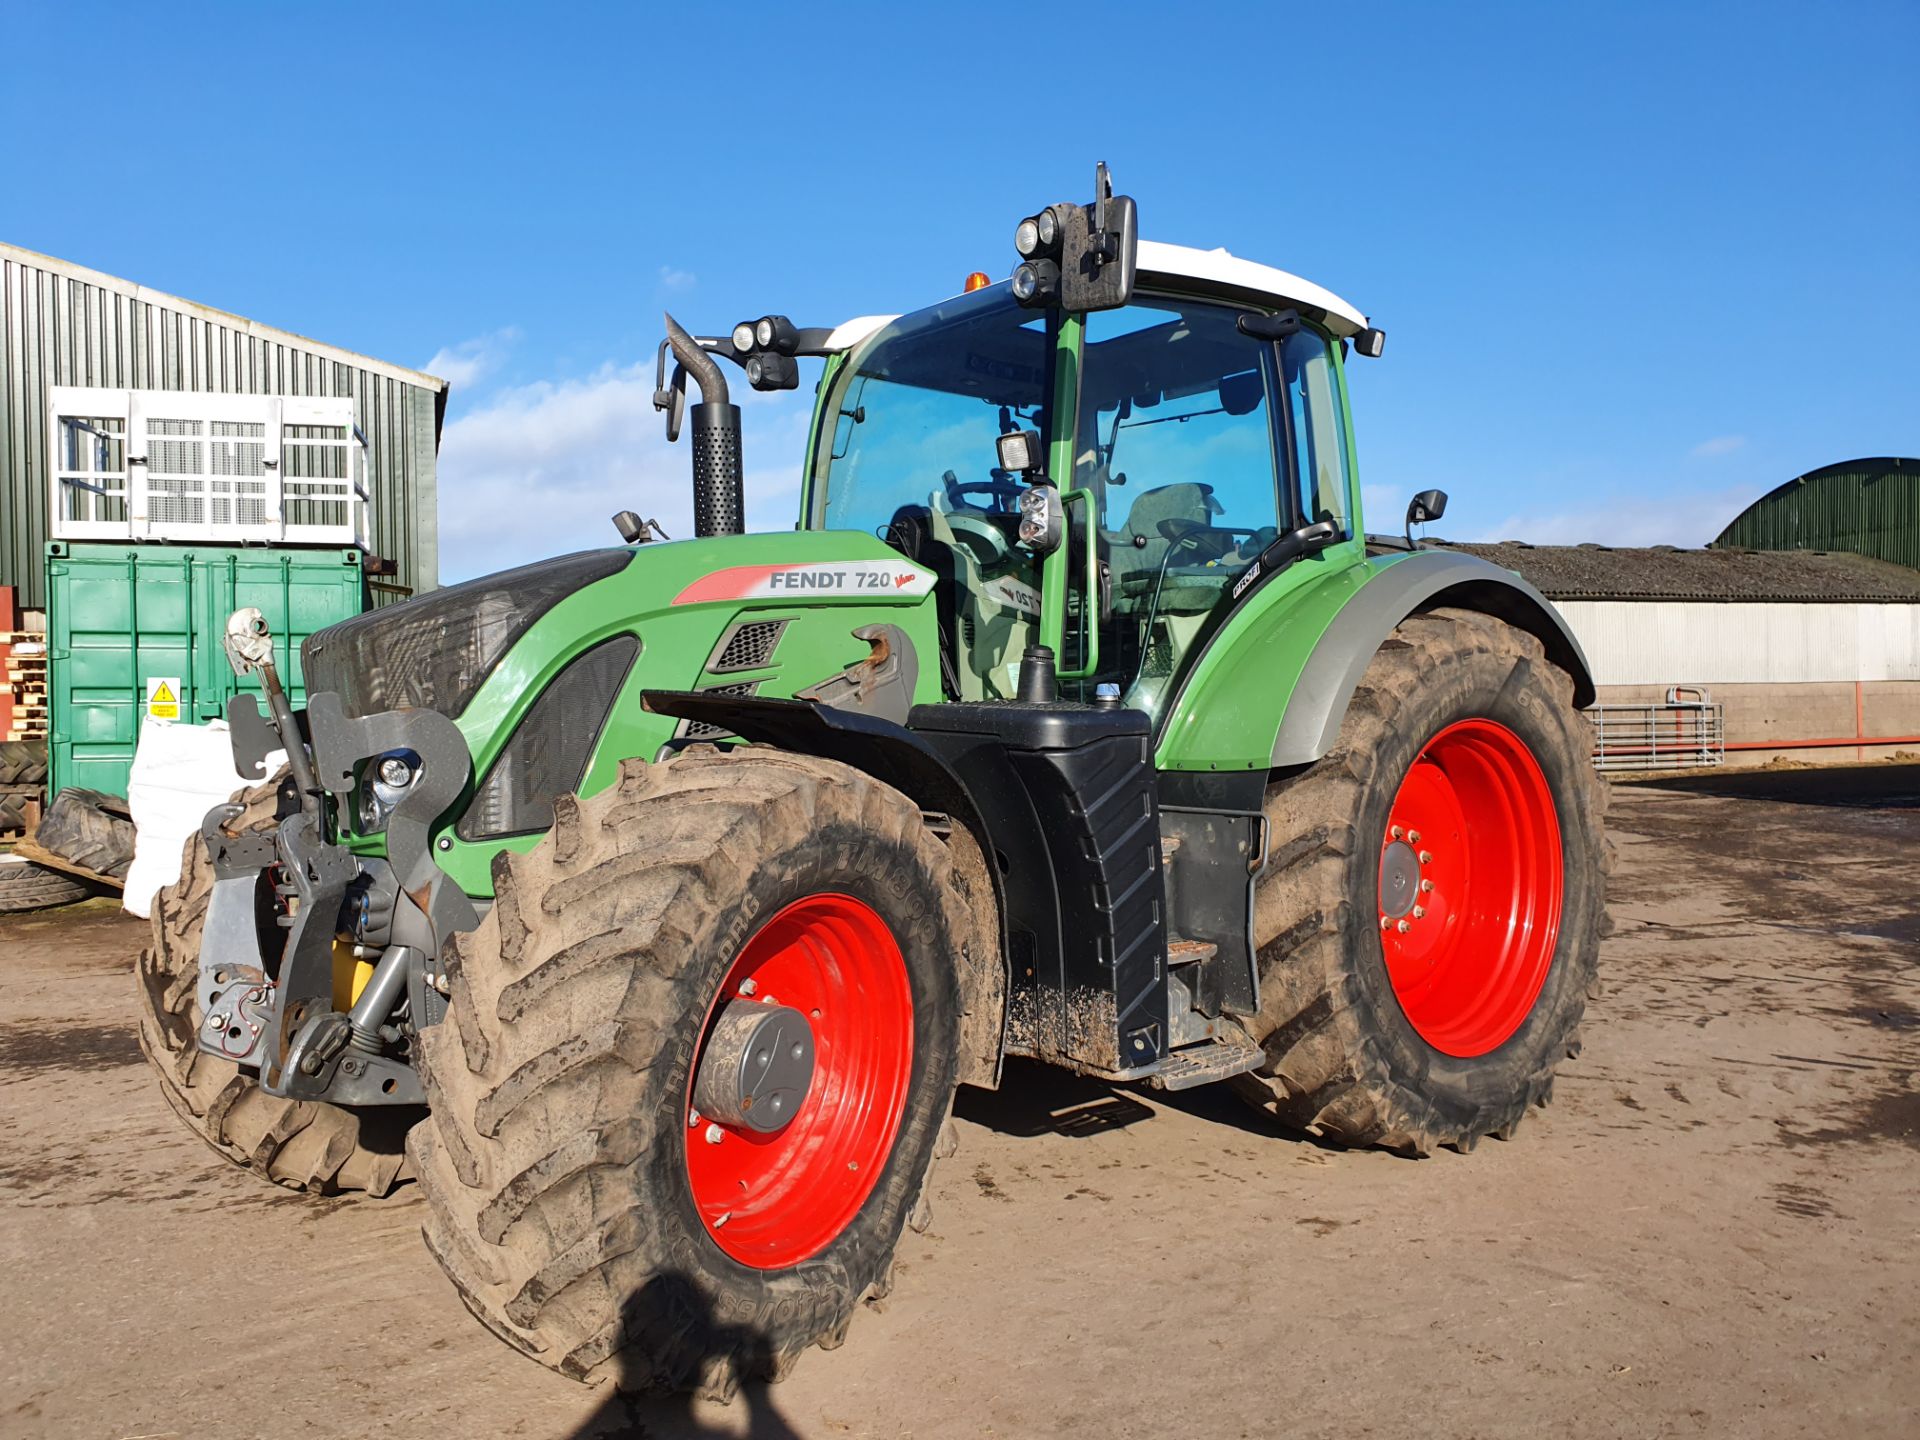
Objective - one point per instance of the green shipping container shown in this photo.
(134, 630)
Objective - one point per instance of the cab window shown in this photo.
(1318, 439)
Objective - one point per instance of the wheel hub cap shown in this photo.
(1399, 879)
(757, 1067)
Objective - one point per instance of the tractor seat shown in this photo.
(1140, 545)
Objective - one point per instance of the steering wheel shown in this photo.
(1002, 487)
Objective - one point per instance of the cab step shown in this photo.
(1190, 952)
(1203, 1064)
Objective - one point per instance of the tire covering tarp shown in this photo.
(180, 772)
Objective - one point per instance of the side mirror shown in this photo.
(1427, 505)
(1371, 343)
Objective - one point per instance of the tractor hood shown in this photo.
(542, 668)
(432, 653)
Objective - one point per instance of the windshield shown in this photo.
(906, 451)
(913, 419)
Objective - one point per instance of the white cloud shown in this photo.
(466, 364)
(676, 281)
(1663, 519)
(536, 470)
(1717, 446)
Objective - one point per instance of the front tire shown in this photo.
(577, 1201)
(302, 1144)
(1419, 987)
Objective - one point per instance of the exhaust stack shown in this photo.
(719, 503)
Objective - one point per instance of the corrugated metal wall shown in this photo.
(1866, 507)
(1672, 642)
(64, 325)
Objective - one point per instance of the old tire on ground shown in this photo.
(579, 1211)
(303, 1144)
(23, 763)
(26, 886)
(90, 828)
(1418, 986)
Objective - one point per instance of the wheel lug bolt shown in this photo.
(1426, 857)
(1426, 885)
(1396, 832)
(1386, 922)
(693, 1118)
(1419, 912)
(715, 1134)
(749, 987)
(1413, 837)
(1403, 927)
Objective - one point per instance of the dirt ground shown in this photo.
(1711, 1231)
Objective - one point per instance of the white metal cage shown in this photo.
(189, 465)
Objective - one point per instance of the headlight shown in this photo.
(383, 785)
(743, 336)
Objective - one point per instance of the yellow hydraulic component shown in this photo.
(350, 974)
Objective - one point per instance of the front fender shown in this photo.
(1274, 685)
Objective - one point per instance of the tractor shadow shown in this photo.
(730, 1357)
(1036, 1099)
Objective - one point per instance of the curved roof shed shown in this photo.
(1867, 507)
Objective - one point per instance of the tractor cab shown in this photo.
(1185, 431)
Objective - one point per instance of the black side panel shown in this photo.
(1067, 792)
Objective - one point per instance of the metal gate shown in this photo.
(227, 469)
(1687, 731)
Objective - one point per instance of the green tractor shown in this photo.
(649, 904)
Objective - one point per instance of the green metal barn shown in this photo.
(1864, 507)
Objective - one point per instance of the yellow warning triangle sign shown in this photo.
(161, 695)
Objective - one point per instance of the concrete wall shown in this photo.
(1814, 710)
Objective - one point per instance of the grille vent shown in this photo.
(699, 729)
(747, 645)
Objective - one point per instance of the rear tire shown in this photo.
(303, 1144)
(1361, 1053)
(559, 1160)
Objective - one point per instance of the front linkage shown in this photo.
(278, 1012)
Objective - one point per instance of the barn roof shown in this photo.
(1665, 572)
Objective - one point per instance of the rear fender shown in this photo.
(1424, 580)
(1271, 688)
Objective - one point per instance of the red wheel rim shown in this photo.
(771, 1201)
(1470, 887)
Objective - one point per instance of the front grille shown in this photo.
(434, 652)
(747, 645)
(700, 729)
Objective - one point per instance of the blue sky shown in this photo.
(1637, 264)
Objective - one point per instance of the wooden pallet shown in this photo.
(23, 676)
